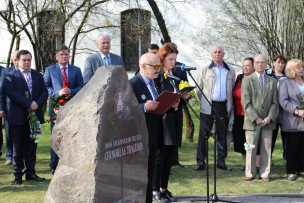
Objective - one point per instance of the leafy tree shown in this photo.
(249, 27)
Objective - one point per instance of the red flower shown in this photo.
(62, 102)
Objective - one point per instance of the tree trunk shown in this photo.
(189, 123)
(160, 20)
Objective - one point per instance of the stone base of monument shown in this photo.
(101, 139)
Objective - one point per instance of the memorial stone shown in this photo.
(101, 139)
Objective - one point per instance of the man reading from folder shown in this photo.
(145, 91)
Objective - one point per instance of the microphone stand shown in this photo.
(206, 137)
(214, 196)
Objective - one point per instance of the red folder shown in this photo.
(166, 100)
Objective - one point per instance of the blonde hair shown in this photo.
(291, 67)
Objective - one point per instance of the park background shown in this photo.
(183, 181)
(244, 27)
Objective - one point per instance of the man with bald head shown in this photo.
(145, 91)
(4, 105)
(259, 100)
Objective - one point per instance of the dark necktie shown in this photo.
(65, 78)
(107, 63)
(153, 88)
(261, 83)
(29, 81)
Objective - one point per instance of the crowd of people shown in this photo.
(262, 102)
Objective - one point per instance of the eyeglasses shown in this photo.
(260, 62)
(156, 67)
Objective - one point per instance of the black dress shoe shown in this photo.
(199, 168)
(224, 167)
(17, 181)
(167, 194)
(34, 177)
(52, 171)
(158, 197)
(177, 164)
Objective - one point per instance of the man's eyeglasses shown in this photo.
(260, 62)
(156, 67)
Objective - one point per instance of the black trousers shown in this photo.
(54, 156)
(24, 150)
(151, 166)
(1, 136)
(221, 132)
(274, 138)
(162, 167)
(294, 152)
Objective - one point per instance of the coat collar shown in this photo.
(224, 64)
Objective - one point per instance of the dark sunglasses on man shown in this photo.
(156, 67)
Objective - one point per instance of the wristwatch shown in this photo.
(296, 112)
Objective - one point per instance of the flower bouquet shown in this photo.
(249, 145)
(57, 103)
(35, 126)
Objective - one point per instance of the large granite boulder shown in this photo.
(101, 139)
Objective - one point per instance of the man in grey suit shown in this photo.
(259, 100)
(54, 78)
(102, 58)
(4, 106)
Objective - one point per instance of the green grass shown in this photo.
(29, 191)
(183, 181)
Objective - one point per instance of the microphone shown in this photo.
(185, 68)
(172, 77)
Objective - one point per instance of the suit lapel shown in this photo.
(70, 73)
(266, 86)
(296, 89)
(58, 73)
(34, 81)
(145, 88)
(256, 84)
(100, 60)
(19, 74)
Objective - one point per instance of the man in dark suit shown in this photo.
(54, 79)
(102, 58)
(18, 83)
(4, 105)
(1, 116)
(149, 70)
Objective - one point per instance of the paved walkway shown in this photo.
(246, 198)
(253, 198)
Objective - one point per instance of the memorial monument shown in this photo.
(101, 139)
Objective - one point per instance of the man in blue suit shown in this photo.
(4, 105)
(27, 92)
(54, 80)
(102, 58)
